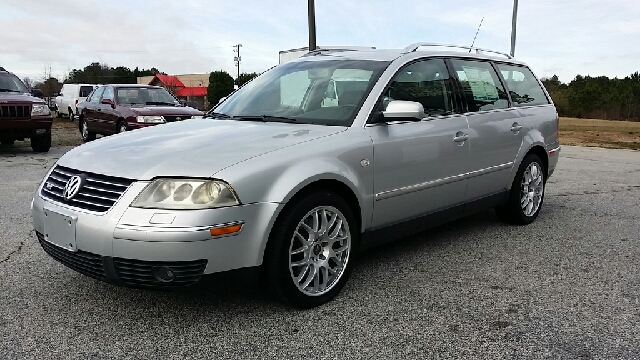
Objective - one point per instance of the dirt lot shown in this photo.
(600, 133)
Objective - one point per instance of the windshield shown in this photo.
(145, 96)
(11, 83)
(325, 92)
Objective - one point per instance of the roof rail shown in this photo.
(328, 50)
(414, 47)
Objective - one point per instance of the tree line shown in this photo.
(597, 97)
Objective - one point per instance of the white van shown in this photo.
(69, 97)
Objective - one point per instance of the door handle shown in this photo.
(460, 137)
(515, 128)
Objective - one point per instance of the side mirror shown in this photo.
(108, 102)
(36, 93)
(398, 110)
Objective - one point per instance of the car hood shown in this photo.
(6, 97)
(164, 110)
(191, 148)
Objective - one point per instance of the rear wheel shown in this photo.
(84, 131)
(41, 143)
(311, 250)
(527, 193)
(70, 114)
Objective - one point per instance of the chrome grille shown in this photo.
(173, 118)
(98, 194)
(15, 112)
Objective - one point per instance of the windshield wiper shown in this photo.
(215, 115)
(267, 118)
(159, 103)
(9, 90)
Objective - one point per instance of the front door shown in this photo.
(419, 166)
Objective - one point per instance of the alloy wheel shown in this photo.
(531, 189)
(319, 250)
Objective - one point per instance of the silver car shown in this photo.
(298, 170)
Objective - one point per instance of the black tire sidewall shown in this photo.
(277, 254)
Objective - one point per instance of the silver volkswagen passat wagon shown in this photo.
(304, 166)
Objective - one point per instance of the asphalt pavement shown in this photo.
(565, 287)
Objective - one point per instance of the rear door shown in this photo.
(419, 166)
(495, 134)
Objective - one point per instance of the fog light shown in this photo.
(163, 274)
(41, 131)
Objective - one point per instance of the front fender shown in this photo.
(277, 176)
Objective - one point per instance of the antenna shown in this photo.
(477, 31)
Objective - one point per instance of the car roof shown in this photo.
(426, 50)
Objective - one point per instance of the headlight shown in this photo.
(150, 119)
(186, 194)
(40, 109)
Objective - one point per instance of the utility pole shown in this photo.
(513, 28)
(312, 25)
(237, 58)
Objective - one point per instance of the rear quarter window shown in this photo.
(524, 88)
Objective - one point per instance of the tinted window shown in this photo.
(426, 82)
(85, 91)
(95, 98)
(523, 86)
(108, 93)
(480, 85)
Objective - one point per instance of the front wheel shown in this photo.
(41, 143)
(122, 127)
(84, 131)
(311, 250)
(527, 193)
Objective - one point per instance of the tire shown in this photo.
(297, 272)
(84, 131)
(58, 115)
(70, 114)
(121, 127)
(41, 143)
(7, 142)
(527, 193)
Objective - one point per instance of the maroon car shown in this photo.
(111, 109)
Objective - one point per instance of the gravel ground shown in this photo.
(565, 287)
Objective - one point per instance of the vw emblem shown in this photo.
(72, 188)
(178, 118)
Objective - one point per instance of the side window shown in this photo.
(481, 86)
(523, 86)
(95, 98)
(108, 93)
(426, 82)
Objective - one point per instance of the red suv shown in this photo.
(23, 116)
(112, 109)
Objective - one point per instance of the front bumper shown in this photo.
(20, 129)
(150, 238)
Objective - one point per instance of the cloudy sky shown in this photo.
(563, 37)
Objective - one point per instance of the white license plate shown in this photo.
(60, 229)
